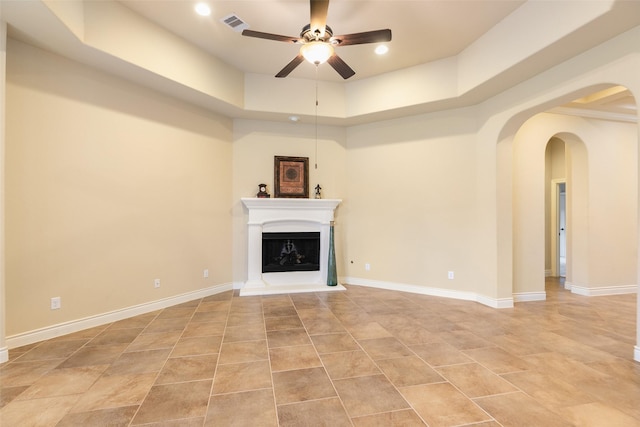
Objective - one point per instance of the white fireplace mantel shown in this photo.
(287, 215)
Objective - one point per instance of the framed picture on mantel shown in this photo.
(291, 176)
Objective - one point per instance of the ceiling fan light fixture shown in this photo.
(317, 52)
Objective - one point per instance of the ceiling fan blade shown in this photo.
(290, 66)
(377, 36)
(269, 36)
(318, 19)
(340, 66)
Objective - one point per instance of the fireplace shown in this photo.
(275, 226)
(290, 252)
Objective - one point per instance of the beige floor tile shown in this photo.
(306, 301)
(221, 306)
(36, 412)
(192, 346)
(475, 380)
(7, 394)
(203, 329)
(297, 357)
(464, 340)
(283, 322)
(249, 408)
(139, 362)
(154, 341)
(53, 350)
(61, 382)
(287, 337)
(166, 325)
(549, 390)
(25, 373)
(369, 395)
(209, 317)
(321, 413)
(497, 360)
(413, 335)
(439, 354)
(251, 332)
(174, 401)
(349, 364)
(323, 325)
(331, 343)
(409, 370)
(96, 355)
(244, 318)
(597, 414)
(277, 311)
(188, 368)
(384, 348)
(239, 352)
(103, 417)
(441, 404)
(116, 336)
(242, 377)
(302, 384)
(518, 409)
(368, 330)
(405, 417)
(114, 391)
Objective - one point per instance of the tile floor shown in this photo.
(364, 357)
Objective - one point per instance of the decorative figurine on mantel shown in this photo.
(318, 195)
(262, 192)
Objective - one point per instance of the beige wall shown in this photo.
(108, 186)
(411, 204)
(555, 170)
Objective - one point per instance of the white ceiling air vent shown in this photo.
(235, 23)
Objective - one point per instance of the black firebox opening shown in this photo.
(290, 252)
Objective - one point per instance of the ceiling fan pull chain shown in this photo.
(316, 162)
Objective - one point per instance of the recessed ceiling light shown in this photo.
(294, 119)
(382, 49)
(203, 9)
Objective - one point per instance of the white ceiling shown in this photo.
(422, 31)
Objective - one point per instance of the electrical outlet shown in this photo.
(56, 303)
(367, 266)
(206, 273)
(156, 283)
(450, 275)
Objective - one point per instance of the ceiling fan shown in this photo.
(318, 41)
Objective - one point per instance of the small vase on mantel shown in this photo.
(332, 274)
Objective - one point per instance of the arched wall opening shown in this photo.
(602, 202)
(601, 206)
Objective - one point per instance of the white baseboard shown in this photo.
(4, 354)
(596, 291)
(436, 292)
(636, 353)
(65, 328)
(529, 296)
